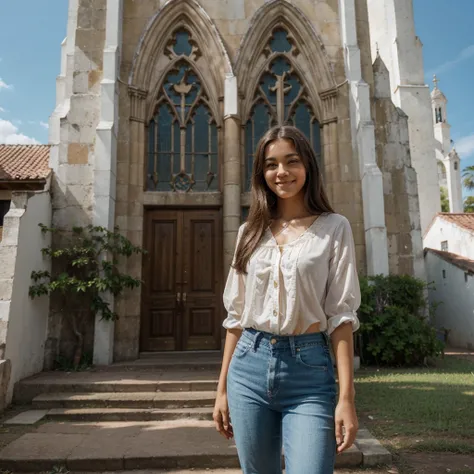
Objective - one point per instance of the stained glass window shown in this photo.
(182, 135)
(280, 98)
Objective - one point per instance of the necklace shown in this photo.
(286, 224)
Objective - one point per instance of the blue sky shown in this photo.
(31, 32)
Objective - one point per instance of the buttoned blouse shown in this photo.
(289, 287)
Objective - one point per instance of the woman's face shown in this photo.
(284, 170)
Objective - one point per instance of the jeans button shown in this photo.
(273, 341)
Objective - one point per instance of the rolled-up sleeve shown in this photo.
(234, 294)
(343, 290)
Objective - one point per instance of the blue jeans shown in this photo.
(282, 393)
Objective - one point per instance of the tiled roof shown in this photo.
(24, 162)
(465, 220)
(463, 263)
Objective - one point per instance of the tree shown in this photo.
(86, 273)
(444, 199)
(468, 178)
(469, 204)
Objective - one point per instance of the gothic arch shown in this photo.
(307, 60)
(154, 41)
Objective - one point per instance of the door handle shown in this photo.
(178, 297)
(184, 298)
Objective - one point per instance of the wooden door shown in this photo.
(182, 289)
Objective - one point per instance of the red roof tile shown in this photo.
(24, 162)
(464, 263)
(465, 220)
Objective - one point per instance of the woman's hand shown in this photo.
(221, 416)
(345, 418)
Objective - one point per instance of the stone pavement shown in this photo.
(157, 417)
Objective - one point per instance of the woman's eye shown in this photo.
(293, 161)
(271, 165)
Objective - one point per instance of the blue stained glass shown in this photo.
(317, 139)
(164, 171)
(261, 123)
(201, 130)
(151, 155)
(177, 147)
(280, 65)
(182, 45)
(302, 119)
(214, 140)
(165, 120)
(295, 84)
(268, 81)
(279, 42)
(201, 167)
(189, 147)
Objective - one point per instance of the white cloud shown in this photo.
(465, 146)
(44, 125)
(2, 110)
(9, 135)
(4, 85)
(466, 53)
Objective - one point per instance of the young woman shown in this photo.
(292, 288)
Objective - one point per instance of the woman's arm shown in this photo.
(221, 408)
(343, 348)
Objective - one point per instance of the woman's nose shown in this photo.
(282, 169)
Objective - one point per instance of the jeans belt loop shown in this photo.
(256, 340)
(292, 345)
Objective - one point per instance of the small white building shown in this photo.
(451, 233)
(452, 285)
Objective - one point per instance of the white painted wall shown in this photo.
(26, 319)
(460, 241)
(456, 312)
(392, 32)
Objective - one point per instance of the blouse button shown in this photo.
(275, 284)
(275, 313)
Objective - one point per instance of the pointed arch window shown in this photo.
(183, 133)
(280, 98)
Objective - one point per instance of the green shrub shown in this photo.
(394, 330)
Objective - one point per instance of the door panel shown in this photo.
(201, 264)
(160, 328)
(182, 290)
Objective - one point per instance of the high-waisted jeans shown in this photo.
(282, 393)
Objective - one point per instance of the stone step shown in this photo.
(212, 363)
(118, 446)
(115, 381)
(124, 400)
(127, 414)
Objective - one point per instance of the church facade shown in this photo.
(159, 109)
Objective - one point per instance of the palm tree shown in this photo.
(468, 178)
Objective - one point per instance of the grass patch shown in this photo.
(429, 409)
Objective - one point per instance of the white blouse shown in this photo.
(289, 287)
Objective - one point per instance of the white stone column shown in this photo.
(106, 160)
(392, 32)
(363, 143)
(231, 169)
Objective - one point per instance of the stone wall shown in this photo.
(23, 322)
(73, 127)
(402, 214)
(231, 34)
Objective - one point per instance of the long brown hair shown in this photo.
(264, 202)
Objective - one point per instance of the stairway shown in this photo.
(153, 413)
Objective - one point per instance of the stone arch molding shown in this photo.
(309, 57)
(153, 44)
